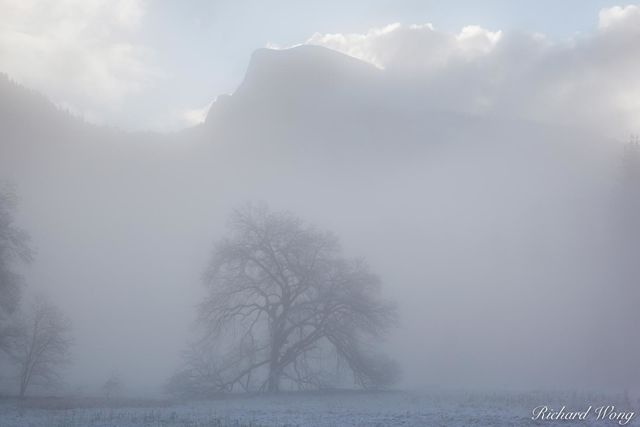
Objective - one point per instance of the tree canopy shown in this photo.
(286, 310)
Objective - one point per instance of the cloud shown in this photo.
(78, 52)
(587, 81)
(413, 45)
(196, 116)
(617, 17)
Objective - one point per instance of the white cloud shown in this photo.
(475, 40)
(619, 17)
(196, 116)
(362, 46)
(588, 81)
(79, 52)
(399, 45)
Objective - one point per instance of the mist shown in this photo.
(491, 202)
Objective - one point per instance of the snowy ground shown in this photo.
(315, 409)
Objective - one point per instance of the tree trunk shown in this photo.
(275, 370)
(23, 389)
(273, 384)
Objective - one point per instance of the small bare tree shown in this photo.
(285, 310)
(43, 346)
(13, 247)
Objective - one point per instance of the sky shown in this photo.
(140, 64)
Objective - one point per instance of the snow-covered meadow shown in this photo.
(313, 409)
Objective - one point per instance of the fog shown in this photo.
(497, 232)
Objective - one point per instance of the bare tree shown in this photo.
(284, 309)
(43, 347)
(13, 247)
